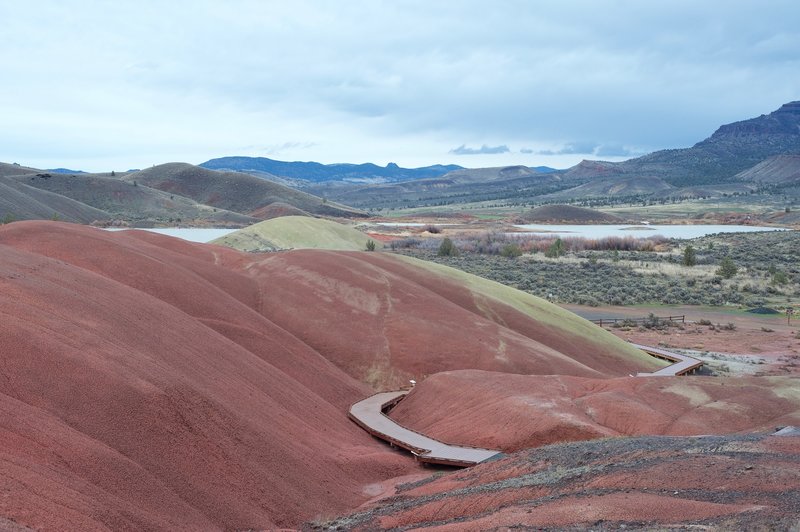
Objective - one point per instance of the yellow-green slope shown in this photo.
(536, 307)
(296, 232)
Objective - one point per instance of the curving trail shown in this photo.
(370, 415)
(681, 364)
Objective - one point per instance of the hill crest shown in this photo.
(234, 191)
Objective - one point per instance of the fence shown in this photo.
(611, 321)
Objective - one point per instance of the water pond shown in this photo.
(192, 234)
(638, 231)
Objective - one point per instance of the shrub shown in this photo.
(405, 243)
(370, 245)
(447, 248)
(555, 250)
(727, 268)
(780, 278)
(432, 229)
(511, 251)
(689, 256)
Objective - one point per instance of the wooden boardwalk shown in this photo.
(681, 364)
(370, 414)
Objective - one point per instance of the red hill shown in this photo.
(386, 319)
(512, 412)
(153, 383)
(141, 389)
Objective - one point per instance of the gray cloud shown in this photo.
(614, 150)
(378, 80)
(483, 150)
(580, 147)
(526, 150)
(571, 148)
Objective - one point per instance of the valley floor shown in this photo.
(729, 341)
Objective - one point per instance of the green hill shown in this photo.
(296, 232)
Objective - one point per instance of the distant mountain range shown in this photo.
(737, 159)
(758, 154)
(317, 172)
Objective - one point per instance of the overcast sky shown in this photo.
(118, 84)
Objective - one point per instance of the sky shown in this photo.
(115, 85)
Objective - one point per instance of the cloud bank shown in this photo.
(483, 150)
(132, 83)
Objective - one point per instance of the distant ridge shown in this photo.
(65, 171)
(733, 148)
(316, 172)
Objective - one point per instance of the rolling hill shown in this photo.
(780, 169)
(296, 232)
(142, 389)
(624, 186)
(567, 214)
(15, 169)
(234, 191)
(136, 204)
(456, 186)
(513, 412)
(19, 201)
(386, 319)
(153, 383)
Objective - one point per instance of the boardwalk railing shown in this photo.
(611, 321)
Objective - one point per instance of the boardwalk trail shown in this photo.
(681, 364)
(370, 414)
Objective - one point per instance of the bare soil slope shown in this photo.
(20, 201)
(233, 191)
(780, 169)
(386, 319)
(512, 412)
(747, 482)
(132, 202)
(15, 169)
(141, 389)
